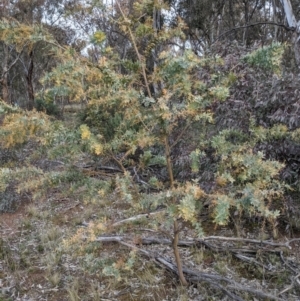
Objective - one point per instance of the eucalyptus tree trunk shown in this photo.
(292, 22)
(4, 12)
(275, 20)
(4, 77)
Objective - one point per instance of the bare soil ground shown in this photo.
(38, 262)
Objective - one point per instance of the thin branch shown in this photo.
(180, 135)
(118, 162)
(288, 28)
(13, 63)
(286, 263)
(136, 51)
(295, 279)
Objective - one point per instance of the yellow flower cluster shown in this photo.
(98, 148)
(85, 132)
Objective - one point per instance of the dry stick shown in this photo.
(286, 263)
(255, 292)
(177, 255)
(232, 284)
(188, 243)
(108, 168)
(118, 162)
(154, 240)
(255, 241)
(235, 252)
(183, 243)
(251, 260)
(294, 239)
(181, 134)
(171, 267)
(136, 51)
(138, 180)
(295, 279)
(194, 277)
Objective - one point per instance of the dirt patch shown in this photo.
(9, 222)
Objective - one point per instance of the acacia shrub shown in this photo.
(265, 96)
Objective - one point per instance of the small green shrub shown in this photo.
(47, 106)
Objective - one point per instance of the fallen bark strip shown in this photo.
(192, 276)
(190, 243)
(254, 241)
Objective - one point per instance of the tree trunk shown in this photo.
(275, 20)
(232, 14)
(5, 68)
(29, 76)
(4, 78)
(292, 22)
(246, 12)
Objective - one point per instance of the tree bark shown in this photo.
(4, 78)
(29, 79)
(4, 12)
(292, 22)
(288, 10)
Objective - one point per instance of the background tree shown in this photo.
(23, 66)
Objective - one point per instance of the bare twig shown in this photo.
(254, 24)
(286, 263)
(295, 279)
(136, 51)
(181, 134)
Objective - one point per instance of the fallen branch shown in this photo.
(191, 275)
(252, 260)
(295, 280)
(190, 243)
(99, 167)
(254, 241)
(287, 264)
